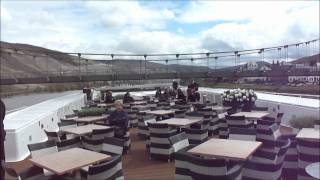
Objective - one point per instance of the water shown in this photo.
(18, 102)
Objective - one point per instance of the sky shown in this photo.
(158, 26)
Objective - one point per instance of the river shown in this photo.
(18, 102)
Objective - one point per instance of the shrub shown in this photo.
(303, 122)
(93, 111)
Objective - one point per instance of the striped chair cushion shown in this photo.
(69, 143)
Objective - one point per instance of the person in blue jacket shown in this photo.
(119, 120)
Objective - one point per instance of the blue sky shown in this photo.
(158, 26)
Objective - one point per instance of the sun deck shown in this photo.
(136, 164)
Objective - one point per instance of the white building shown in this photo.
(306, 79)
(251, 66)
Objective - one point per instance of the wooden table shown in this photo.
(219, 108)
(252, 115)
(91, 119)
(226, 148)
(105, 104)
(160, 112)
(309, 133)
(84, 130)
(180, 122)
(139, 103)
(140, 107)
(66, 161)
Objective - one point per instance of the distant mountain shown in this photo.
(24, 58)
(309, 60)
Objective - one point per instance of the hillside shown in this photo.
(24, 58)
(309, 60)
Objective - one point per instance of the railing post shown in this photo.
(215, 63)
(208, 63)
(79, 57)
(177, 56)
(167, 66)
(145, 64)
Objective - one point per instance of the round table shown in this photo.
(314, 170)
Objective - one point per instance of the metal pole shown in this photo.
(47, 65)
(208, 63)
(79, 57)
(191, 64)
(177, 56)
(145, 64)
(215, 63)
(167, 65)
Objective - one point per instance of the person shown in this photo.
(119, 120)
(2, 137)
(127, 98)
(109, 98)
(158, 93)
(180, 95)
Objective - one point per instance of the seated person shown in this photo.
(127, 98)
(158, 93)
(180, 95)
(119, 120)
(109, 98)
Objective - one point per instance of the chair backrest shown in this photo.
(92, 144)
(179, 113)
(67, 124)
(52, 135)
(206, 111)
(31, 173)
(70, 115)
(259, 108)
(43, 148)
(194, 114)
(267, 132)
(111, 169)
(279, 117)
(102, 133)
(238, 121)
(113, 145)
(179, 141)
(242, 134)
(158, 128)
(69, 143)
(207, 168)
(266, 164)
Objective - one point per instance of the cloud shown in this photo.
(122, 13)
(161, 27)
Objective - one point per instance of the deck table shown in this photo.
(238, 150)
(309, 133)
(84, 130)
(179, 122)
(253, 115)
(69, 160)
(90, 119)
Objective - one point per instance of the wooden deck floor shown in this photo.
(136, 164)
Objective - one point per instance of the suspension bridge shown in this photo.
(86, 67)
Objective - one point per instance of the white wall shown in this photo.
(27, 126)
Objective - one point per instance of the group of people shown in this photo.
(119, 118)
(175, 92)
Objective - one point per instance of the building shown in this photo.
(304, 79)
